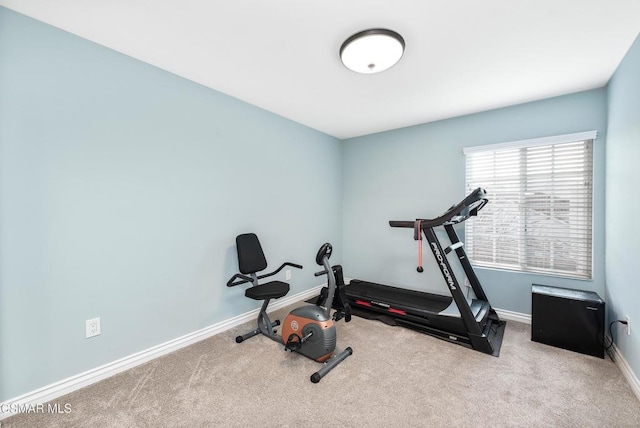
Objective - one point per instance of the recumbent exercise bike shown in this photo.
(308, 330)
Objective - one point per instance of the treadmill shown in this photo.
(471, 322)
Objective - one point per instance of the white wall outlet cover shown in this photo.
(92, 327)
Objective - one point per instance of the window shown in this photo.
(539, 215)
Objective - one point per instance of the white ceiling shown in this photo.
(461, 56)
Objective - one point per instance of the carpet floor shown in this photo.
(395, 377)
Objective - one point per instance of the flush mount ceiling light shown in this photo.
(372, 51)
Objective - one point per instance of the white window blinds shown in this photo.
(539, 215)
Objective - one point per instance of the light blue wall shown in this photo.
(122, 188)
(623, 203)
(419, 172)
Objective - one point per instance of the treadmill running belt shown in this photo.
(414, 302)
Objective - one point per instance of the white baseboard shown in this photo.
(66, 386)
(513, 316)
(626, 370)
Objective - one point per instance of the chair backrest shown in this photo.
(250, 255)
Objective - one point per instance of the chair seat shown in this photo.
(269, 290)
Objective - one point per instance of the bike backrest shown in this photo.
(250, 255)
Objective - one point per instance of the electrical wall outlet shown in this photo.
(628, 325)
(287, 274)
(92, 327)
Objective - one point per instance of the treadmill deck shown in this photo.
(417, 303)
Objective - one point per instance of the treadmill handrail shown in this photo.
(458, 213)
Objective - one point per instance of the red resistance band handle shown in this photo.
(417, 235)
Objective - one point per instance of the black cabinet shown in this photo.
(568, 319)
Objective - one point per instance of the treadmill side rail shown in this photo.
(454, 287)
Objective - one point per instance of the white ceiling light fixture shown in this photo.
(372, 51)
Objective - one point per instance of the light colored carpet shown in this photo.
(395, 377)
